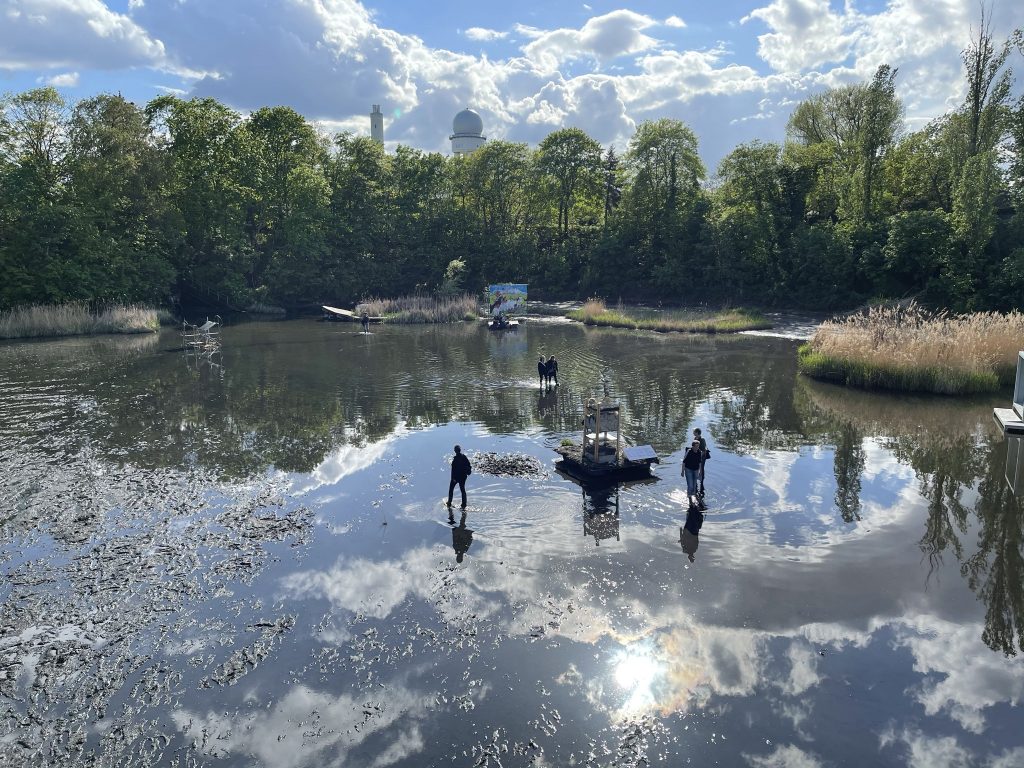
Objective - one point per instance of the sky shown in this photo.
(733, 71)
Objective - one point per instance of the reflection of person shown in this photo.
(546, 402)
(542, 369)
(552, 369)
(689, 543)
(689, 533)
(365, 320)
(461, 469)
(691, 467)
(462, 537)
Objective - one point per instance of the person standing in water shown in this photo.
(691, 468)
(461, 469)
(365, 320)
(542, 370)
(704, 453)
(552, 366)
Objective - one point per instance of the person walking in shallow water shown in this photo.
(542, 370)
(691, 468)
(704, 453)
(552, 369)
(365, 320)
(461, 469)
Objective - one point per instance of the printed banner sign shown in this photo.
(505, 298)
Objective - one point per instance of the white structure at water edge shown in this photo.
(1011, 421)
(377, 124)
(467, 132)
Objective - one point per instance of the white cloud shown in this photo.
(805, 33)
(675, 21)
(784, 756)
(601, 38)
(330, 59)
(960, 682)
(924, 751)
(480, 33)
(63, 80)
(261, 734)
(51, 34)
(1011, 758)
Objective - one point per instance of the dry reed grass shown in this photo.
(74, 319)
(912, 349)
(595, 312)
(422, 309)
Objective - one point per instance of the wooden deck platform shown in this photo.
(572, 464)
(1009, 421)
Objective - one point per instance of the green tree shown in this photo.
(39, 224)
(571, 162)
(115, 175)
(203, 145)
(659, 218)
(285, 188)
(612, 178)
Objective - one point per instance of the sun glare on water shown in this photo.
(637, 671)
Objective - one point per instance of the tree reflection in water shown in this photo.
(961, 467)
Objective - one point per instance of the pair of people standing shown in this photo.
(547, 370)
(693, 464)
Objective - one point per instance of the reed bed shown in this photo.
(422, 309)
(595, 312)
(75, 319)
(911, 349)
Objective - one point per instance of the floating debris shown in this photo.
(507, 464)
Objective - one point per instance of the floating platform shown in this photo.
(1009, 421)
(511, 325)
(343, 315)
(573, 464)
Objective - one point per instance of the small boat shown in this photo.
(344, 315)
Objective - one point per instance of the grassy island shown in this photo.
(74, 319)
(594, 312)
(422, 309)
(914, 350)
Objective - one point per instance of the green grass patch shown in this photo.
(900, 378)
(594, 312)
(74, 319)
(912, 349)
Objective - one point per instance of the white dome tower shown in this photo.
(467, 132)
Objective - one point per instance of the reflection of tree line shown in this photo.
(292, 393)
(951, 455)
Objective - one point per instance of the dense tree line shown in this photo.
(106, 200)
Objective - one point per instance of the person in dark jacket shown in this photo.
(461, 469)
(552, 367)
(365, 320)
(691, 467)
(704, 453)
(542, 370)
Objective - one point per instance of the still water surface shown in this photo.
(249, 563)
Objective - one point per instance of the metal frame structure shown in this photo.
(599, 420)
